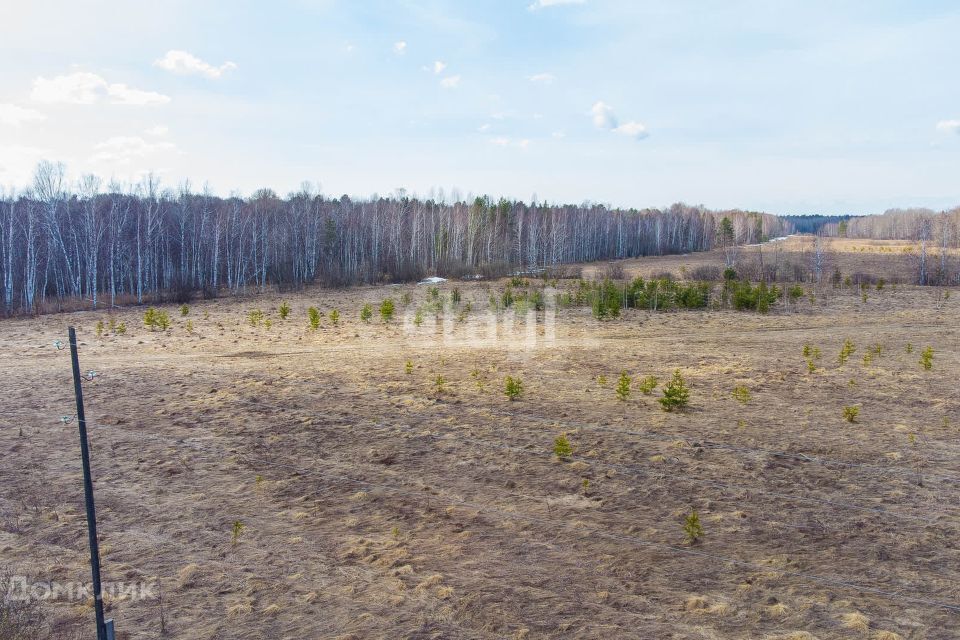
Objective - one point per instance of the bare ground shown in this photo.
(375, 506)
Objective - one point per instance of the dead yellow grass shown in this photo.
(374, 505)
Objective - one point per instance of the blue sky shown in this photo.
(789, 107)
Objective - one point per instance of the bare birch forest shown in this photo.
(89, 245)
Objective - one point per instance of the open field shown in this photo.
(288, 483)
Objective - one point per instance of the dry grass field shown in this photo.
(283, 482)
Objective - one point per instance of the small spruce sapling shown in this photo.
(366, 313)
(926, 358)
(408, 367)
(846, 351)
(623, 387)
(648, 384)
(334, 317)
(184, 310)
(692, 528)
(387, 309)
(283, 310)
(314, 314)
(561, 447)
(513, 387)
(237, 531)
(741, 394)
(676, 394)
(850, 413)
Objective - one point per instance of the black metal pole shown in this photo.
(88, 490)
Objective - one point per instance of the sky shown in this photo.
(790, 107)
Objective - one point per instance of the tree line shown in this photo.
(70, 245)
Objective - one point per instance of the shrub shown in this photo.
(255, 317)
(335, 317)
(602, 380)
(729, 274)
(850, 413)
(926, 358)
(236, 531)
(647, 385)
(150, 318)
(741, 394)
(314, 315)
(706, 273)
(418, 318)
(846, 351)
(283, 310)
(606, 300)
(506, 298)
(156, 319)
(366, 313)
(518, 282)
(796, 292)
(561, 447)
(692, 528)
(184, 310)
(623, 387)
(455, 296)
(759, 298)
(386, 310)
(676, 395)
(807, 350)
(513, 387)
(21, 618)
(189, 326)
(439, 383)
(121, 329)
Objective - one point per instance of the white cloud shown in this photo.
(11, 114)
(542, 78)
(484, 127)
(400, 47)
(439, 66)
(633, 129)
(545, 4)
(89, 88)
(157, 130)
(949, 126)
(124, 149)
(450, 82)
(185, 63)
(503, 141)
(603, 117)
(122, 94)
(559, 134)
